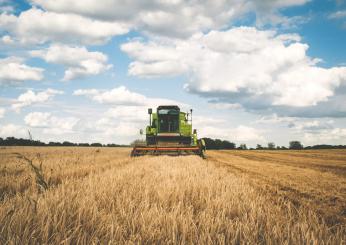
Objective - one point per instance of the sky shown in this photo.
(252, 71)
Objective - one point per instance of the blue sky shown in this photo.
(253, 71)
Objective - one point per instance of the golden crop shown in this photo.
(101, 195)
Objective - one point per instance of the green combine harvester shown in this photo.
(169, 133)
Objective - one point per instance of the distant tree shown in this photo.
(243, 147)
(271, 146)
(96, 144)
(12, 141)
(218, 144)
(295, 145)
(259, 147)
(228, 145)
(67, 143)
(326, 147)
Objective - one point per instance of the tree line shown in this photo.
(211, 144)
(217, 144)
(12, 141)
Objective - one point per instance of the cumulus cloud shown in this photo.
(312, 126)
(127, 114)
(122, 96)
(119, 130)
(169, 18)
(172, 18)
(116, 127)
(6, 6)
(119, 122)
(268, 12)
(153, 59)
(325, 136)
(240, 134)
(79, 61)
(241, 65)
(275, 119)
(7, 40)
(14, 71)
(338, 15)
(51, 124)
(38, 26)
(12, 130)
(224, 106)
(30, 97)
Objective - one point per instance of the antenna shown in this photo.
(150, 111)
(191, 115)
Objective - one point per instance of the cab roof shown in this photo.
(168, 107)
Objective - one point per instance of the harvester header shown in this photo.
(169, 133)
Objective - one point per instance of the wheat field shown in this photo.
(102, 196)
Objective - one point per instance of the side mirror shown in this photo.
(141, 131)
(150, 111)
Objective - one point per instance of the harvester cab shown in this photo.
(170, 133)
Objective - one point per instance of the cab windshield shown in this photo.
(168, 120)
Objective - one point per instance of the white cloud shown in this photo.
(200, 121)
(122, 96)
(110, 127)
(37, 119)
(275, 119)
(78, 60)
(38, 26)
(6, 6)
(13, 71)
(128, 114)
(117, 124)
(240, 134)
(12, 130)
(28, 98)
(225, 106)
(243, 63)
(51, 124)
(169, 18)
(2, 112)
(172, 18)
(313, 126)
(267, 12)
(331, 136)
(153, 59)
(338, 14)
(7, 40)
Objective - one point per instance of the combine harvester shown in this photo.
(169, 133)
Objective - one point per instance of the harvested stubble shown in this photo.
(159, 200)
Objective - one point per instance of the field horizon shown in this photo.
(64, 195)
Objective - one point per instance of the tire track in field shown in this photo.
(325, 207)
(337, 170)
